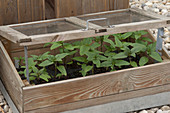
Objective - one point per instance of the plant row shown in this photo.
(108, 53)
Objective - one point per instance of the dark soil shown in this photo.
(73, 71)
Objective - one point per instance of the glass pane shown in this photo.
(45, 28)
(118, 18)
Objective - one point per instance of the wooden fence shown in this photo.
(18, 11)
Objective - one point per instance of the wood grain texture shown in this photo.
(82, 23)
(17, 11)
(96, 86)
(65, 8)
(1, 13)
(10, 11)
(13, 35)
(103, 100)
(10, 78)
(119, 4)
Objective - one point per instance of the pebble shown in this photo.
(150, 111)
(144, 111)
(159, 111)
(10, 111)
(166, 108)
(6, 108)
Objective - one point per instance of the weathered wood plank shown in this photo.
(10, 78)
(104, 100)
(38, 10)
(10, 11)
(58, 93)
(1, 12)
(13, 35)
(119, 4)
(82, 23)
(65, 8)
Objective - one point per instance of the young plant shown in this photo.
(55, 60)
(115, 60)
(37, 74)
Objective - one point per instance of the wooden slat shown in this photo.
(10, 78)
(50, 9)
(62, 92)
(82, 23)
(149, 14)
(38, 10)
(1, 13)
(103, 100)
(24, 11)
(65, 8)
(13, 35)
(10, 12)
(119, 4)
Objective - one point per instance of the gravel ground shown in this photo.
(163, 109)
(161, 7)
(4, 108)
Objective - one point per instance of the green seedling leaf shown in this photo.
(55, 45)
(31, 62)
(85, 69)
(120, 63)
(72, 53)
(144, 60)
(120, 56)
(133, 64)
(106, 64)
(45, 63)
(146, 39)
(59, 75)
(45, 55)
(70, 47)
(84, 49)
(95, 45)
(143, 32)
(47, 44)
(141, 42)
(101, 57)
(118, 42)
(59, 57)
(45, 77)
(70, 63)
(62, 70)
(109, 41)
(156, 56)
(32, 78)
(80, 59)
(126, 35)
(97, 62)
(138, 47)
(87, 41)
(35, 69)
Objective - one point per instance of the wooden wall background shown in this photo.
(18, 11)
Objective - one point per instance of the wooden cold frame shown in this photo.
(85, 91)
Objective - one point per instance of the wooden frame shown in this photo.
(156, 22)
(85, 91)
